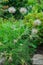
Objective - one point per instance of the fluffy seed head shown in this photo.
(11, 10)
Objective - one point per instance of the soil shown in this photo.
(39, 49)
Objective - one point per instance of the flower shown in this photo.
(11, 10)
(23, 10)
(37, 22)
(34, 31)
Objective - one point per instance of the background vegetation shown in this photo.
(20, 34)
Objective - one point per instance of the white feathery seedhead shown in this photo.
(23, 10)
(34, 31)
(11, 10)
(37, 22)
